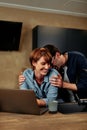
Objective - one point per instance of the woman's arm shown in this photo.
(52, 92)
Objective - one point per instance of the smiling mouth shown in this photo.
(45, 71)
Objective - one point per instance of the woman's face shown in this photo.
(41, 66)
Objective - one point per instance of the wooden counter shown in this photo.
(47, 121)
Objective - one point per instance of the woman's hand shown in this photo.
(56, 81)
(41, 102)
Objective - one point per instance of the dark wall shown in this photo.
(65, 39)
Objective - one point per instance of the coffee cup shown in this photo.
(53, 106)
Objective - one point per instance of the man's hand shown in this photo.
(21, 79)
(56, 81)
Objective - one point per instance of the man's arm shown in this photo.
(70, 86)
(58, 82)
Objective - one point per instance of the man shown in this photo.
(75, 79)
(76, 64)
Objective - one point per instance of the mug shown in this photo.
(53, 106)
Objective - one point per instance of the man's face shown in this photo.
(57, 61)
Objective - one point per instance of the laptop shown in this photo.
(20, 101)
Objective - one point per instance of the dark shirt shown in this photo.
(77, 72)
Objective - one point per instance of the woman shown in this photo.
(38, 77)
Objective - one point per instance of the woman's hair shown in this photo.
(52, 49)
(37, 53)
